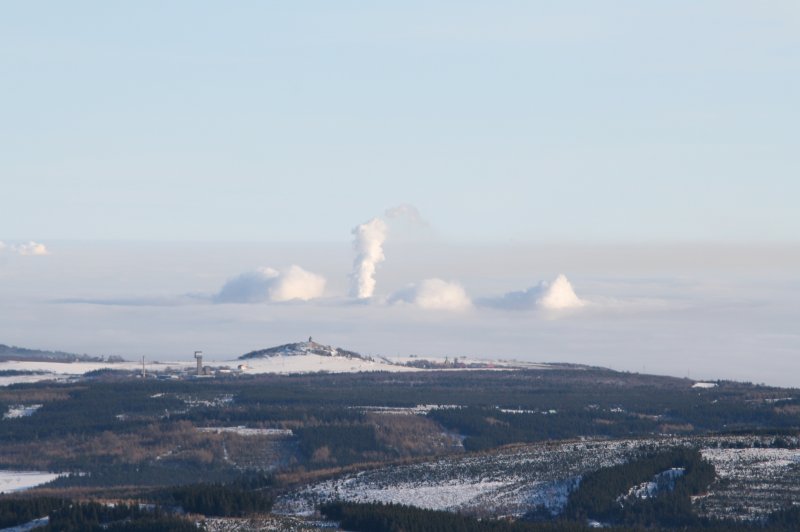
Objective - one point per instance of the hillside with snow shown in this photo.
(12, 352)
(303, 349)
(310, 357)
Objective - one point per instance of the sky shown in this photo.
(501, 121)
(176, 174)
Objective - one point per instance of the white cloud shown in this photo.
(555, 295)
(27, 248)
(31, 248)
(267, 284)
(559, 295)
(434, 294)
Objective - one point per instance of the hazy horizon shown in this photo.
(706, 312)
(613, 185)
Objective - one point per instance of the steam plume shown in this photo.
(368, 243)
(407, 211)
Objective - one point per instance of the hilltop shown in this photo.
(12, 352)
(303, 349)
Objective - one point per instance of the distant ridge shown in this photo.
(12, 352)
(301, 349)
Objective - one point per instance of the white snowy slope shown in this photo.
(464, 362)
(60, 371)
(316, 363)
(11, 481)
(300, 357)
(309, 357)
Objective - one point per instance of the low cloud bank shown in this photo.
(267, 284)
(25, 249)
(433, 294)
(555, 295)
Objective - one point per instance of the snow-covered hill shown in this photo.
(12, 352)
(303, 349)
(17, 371)
(299, 357)
(309, 357)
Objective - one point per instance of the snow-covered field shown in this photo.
(276, 364)
(11, 481)
(62, 371)
(509, 482)
(751, 482)
(310, 363)
(513, 481)
(664, 481)
(419, 410)
(501, 363)
(30, 525)
(244, 431)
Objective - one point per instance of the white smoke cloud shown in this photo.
(27, 248)
(267, 284)
(368, 243)
(434, 294)
(555, 295)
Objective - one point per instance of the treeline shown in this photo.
(340, 444)
(306, 414)
(490, 427)
(247, 495)
(601, 494)
(69, 516)
(95, 517)
(17, 511)
(378, 517)
(89, 410)
(237, 499)
(150, 473)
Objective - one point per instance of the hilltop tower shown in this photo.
(199, 356)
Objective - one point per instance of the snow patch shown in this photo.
(664, 481)
(244, 431)
(17, 411)
(12, 481)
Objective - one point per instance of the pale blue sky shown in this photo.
(501, 121)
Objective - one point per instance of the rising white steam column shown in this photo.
(368, 244)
